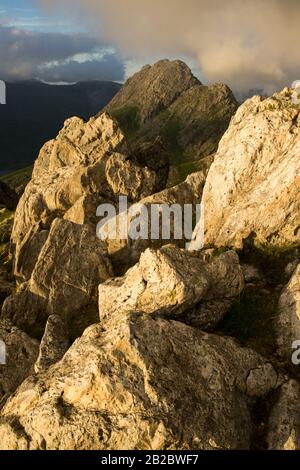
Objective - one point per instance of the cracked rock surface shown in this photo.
(139, 383)
(173, 282)
(252, 188)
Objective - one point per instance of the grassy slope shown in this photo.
(19, 178)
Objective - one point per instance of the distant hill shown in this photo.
(35, 112)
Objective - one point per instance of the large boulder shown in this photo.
(85, 159)
(288, 316)
(140, 383)
(20, 353)
(197, 287)
(252, 188)
(126, 251)
(65, 278)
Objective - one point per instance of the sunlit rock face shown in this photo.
(252, 189)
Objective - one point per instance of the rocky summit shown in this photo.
(167, 100)
(154, 344)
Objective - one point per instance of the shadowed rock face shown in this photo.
(284, 420)
(288, 316)
(167, 100)
(8, 197)
(252, 188)
(20, 354)
(140, 383)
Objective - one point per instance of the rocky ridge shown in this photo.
(147, 360)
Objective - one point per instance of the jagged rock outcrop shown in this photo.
(126, 251)
(85, 159)
(139, 383)
(65, 278)
(252, 188)
(166, 99)
(284, 420)
(288, 316)
(8, 197)
(174, 283)
(21, 353)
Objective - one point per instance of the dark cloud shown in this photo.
(109, 68)
(246, 43)
(50, 56)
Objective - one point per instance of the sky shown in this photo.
(249, 44)
(53, 46)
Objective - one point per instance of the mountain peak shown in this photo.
(154, 88)
(167, 100)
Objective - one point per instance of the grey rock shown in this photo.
(138, 383)
(173, 282)
(252, 188)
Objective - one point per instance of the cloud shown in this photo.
(53, 57)
(109, 68)
(247, 44)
